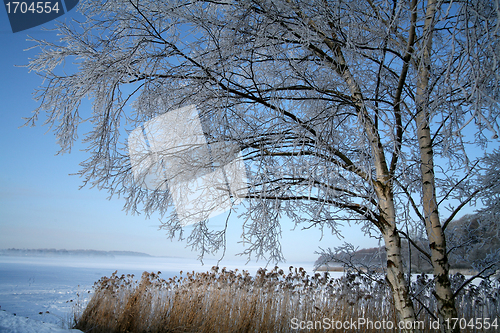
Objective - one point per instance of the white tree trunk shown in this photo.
(395, 273)
(435, 234)
(384, 189)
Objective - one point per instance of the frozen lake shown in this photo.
(47, 288)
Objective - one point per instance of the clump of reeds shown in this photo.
(234, 301)
(228, 301)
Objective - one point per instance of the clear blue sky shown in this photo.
(41, 205)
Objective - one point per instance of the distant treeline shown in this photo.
(471, 239)
(63, 252)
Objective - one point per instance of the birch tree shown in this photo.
(362, 111)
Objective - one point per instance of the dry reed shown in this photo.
(232, 301)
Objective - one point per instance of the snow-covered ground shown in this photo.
(44, 292)
(16, 324)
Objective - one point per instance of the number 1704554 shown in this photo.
(38, 7)
(477, 323)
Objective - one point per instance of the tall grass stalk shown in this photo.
(232, 301)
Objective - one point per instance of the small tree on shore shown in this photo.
(363, 110)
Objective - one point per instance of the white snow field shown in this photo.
(16, 324)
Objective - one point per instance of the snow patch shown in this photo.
(16, 324)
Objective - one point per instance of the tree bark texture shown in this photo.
(384, 188)
(435, 233)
